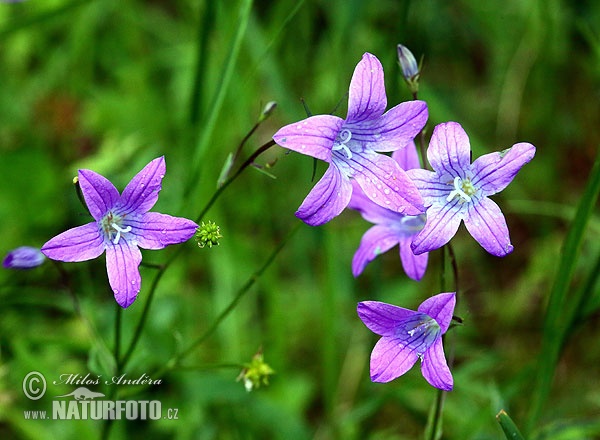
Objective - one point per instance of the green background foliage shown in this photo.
(109, 85)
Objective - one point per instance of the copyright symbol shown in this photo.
(34, 385)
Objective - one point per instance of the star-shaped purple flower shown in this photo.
(121, 224)
(391, 228)
(351, 148)
(408, 336)
(458, 190)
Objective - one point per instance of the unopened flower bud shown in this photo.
(410, 68)
(268, 110)
(24, 257)
(208, 234)
(408, 63)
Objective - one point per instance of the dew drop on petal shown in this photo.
(386, 191)
(164, 231)
(374, 195)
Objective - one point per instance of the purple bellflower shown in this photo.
(407, 336)
(458, 190)
(351, 148)
(121, 224)
(391, 228)
(23, 257)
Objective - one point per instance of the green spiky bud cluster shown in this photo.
(256, 373)
(208, 234)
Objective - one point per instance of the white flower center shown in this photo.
(112, 222)
(463, 188)
(340, 143)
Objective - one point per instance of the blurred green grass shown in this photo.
(107, 86)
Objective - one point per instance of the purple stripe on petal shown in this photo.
(429, 185)
(366, 98)
(99, 193)
(141, 193)
(81, 243)
(327, 199)
(313, 136)
(390, 360)
(449, 150)
(382, 318)
(385, 183)
(435, 369)
(440, 307)
(122, 266)
(394, 130)
(493, 172)
(486, 223)
(442, 224)
(156, 231)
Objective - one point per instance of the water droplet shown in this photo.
(164, 231)
(386, 191)
(374, 195)
(133, 282)
(387, 202)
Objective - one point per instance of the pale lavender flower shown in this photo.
(23, 257)
(121, 224)
(391, 228)
(351, 148)
(408, 336)
(458, 190)
(408, 63)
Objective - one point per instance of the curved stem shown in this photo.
(138, 330)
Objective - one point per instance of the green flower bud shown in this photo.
(208, 234)
(255, 373)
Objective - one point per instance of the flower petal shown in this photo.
(449, 151)
(141, 193)
(390, 360)
(99, 193)
(81, 243)
(442, 224)
(369, 210)
(122, 266)
(407, 157)
(385, 183)
(313, 136)
(435, 369)
(493, 172)
(392, 131)
(327, 199)
(414, 265)
(440, 307)
(366, 97)
(429, 185)
(486, 223)
(382, 318)
(377, 240)
(156, 231)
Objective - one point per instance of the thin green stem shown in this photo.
(174, 255)
(230, 307)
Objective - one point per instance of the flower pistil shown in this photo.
(463, 188)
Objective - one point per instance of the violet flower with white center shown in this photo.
(458, 190)
(23, 257)
(121, 225)
(408, 336)
(391, 228)
(351, 148)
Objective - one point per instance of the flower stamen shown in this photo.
(119, 230)
(344, 138)
(458, 190)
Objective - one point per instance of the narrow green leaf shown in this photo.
(508, 426)
(560, 310)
